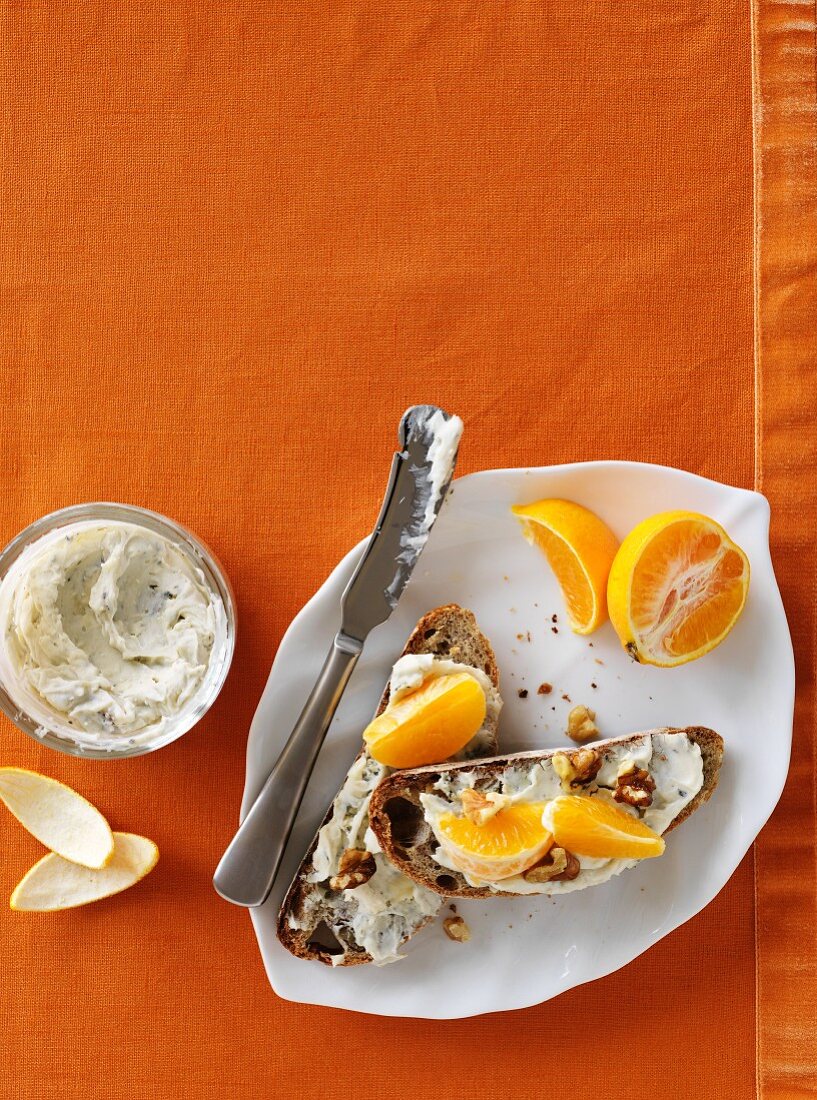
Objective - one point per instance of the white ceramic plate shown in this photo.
(526, 950)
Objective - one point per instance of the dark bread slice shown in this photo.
(396, 814)
(450, 632)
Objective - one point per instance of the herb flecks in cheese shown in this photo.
(380, 915)
(673, 761)
(108, 632)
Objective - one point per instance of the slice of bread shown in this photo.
(309, 924)
(397, 819)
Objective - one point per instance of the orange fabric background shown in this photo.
(235, 244)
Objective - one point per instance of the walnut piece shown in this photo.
(355, 868)
(480, 806)
(581, 725)
(634, 786)
(576, 768)
(558, 865)
(456, 929)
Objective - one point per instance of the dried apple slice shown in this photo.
(57, 816)
(55, 883)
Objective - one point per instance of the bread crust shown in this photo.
(416, 860)
(437, 633)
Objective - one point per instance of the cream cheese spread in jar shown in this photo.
(109, 631)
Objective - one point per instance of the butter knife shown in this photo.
(421, 472)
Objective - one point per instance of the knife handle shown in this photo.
(248, 868)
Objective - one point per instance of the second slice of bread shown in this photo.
(397, 818)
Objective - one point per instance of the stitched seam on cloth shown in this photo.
(788, 258)
(758, 477)
(757, 168)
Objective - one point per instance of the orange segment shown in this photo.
(593, 827)
(428, 725)
(580, 549)
(677, 587)
(510, 841)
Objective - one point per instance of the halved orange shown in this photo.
(677, 587)
(580, 548)
(509, 842)
(428, 725)
(594, 827)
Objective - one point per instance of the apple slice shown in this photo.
(56, 883)
(57, 816)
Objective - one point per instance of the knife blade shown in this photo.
(420, 476)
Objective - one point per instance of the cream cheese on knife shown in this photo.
(108, 631)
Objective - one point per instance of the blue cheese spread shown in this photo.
(381, 914)
(672, 760)
(444, 435)
(108, 632)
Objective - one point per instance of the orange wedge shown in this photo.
(509, 842)
(677, 587)
(580, 549)
(428, 725)
(593, 827)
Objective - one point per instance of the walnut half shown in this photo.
(480, 806)
(355, 868)
(576, 768)
(456, 929)
(581, 724)
(558, 865)
(634, 786)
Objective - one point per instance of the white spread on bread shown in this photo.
(384, 911)
(673, 761)
(414, 669)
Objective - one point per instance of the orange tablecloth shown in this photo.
(237, 240)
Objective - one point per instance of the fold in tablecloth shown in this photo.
(786, 463)
(237, 240)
